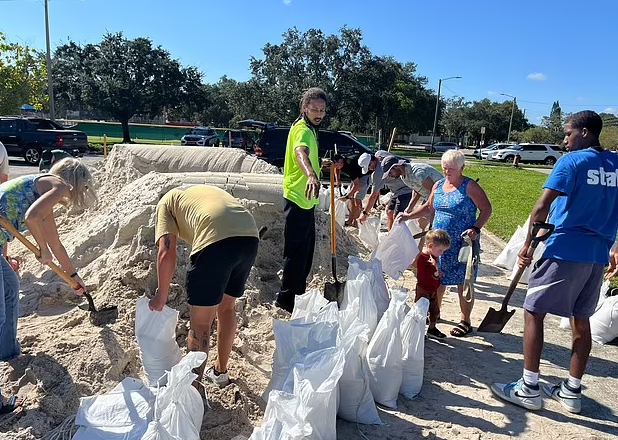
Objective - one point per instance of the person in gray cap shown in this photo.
(419, 177)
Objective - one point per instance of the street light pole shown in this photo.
(50, 86)
(435, 118)
(508, 138)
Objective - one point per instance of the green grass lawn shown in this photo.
(512, 192)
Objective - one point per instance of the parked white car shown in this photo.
(482, 153)
(529, 153)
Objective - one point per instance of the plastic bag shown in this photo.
(368, 232)
(182, 408)
(293, 338)
(414, 228)
(360, 288)
(156, 337)
(525, 276)
(508, 257)
(373, 269)
(341, 211)
(284, 419)
(156, 431)
(397, 251)
(604, 322)
(324, 199)
(316, 378)
(308, 305)
(356, 401)
(384, 353)
(413, 346)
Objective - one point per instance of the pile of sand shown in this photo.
(113, 248)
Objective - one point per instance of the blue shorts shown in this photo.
(564, 288)
(364, 187)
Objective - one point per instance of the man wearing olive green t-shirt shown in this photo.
(301, 186)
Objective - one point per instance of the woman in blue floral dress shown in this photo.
(453, 204)
(28, 203)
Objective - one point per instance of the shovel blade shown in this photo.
(104, 316)
(334, 292)
(495, 320)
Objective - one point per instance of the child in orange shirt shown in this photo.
(437, 241)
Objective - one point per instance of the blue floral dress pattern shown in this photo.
(455, 212)
(16, 196)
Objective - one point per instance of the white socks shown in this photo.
(573, 382)
(531, 378)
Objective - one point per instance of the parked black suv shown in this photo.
(21, 137)
(272, 141)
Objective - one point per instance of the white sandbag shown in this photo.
(373, 269)
(565, 323)
(156, 337)
(508, 257)
(356, 401)
(316, 378)
(368, 232)
(414, 228)
(308, 305)
(384, 353)
(324, 199)
(292, 338)
(182, 408)
(384, 221)
(156, 431)
(413, 346)
(604, 322)
(397, 251)
(360, 288)
(341, 211)
(284, 419)
(525, 276)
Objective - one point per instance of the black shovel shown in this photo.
(495, 320)
(97, 317)
(333, 291)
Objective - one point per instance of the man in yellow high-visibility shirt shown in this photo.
(301, 186)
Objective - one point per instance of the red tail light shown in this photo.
(59, 141)
(258, 151)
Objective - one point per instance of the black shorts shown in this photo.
(220, 268)
(399, 203)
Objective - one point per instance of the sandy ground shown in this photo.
(65, 357)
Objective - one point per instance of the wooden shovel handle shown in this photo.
(37, 252)
(333, 230)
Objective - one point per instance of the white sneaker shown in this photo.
(570, 398)
(519, 393)
(220, 379)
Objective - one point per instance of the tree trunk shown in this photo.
(126, 136)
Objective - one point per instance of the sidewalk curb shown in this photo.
(494, 239)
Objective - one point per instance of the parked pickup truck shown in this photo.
(23, 137)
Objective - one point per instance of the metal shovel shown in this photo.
(495, 320)
(97, 317)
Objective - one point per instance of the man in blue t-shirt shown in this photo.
(580, 198)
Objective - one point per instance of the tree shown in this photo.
(121, 77)
(542, 135)
(495, 117)
(555, 121)
(609, 119)
(23, 77)
(609, 138)
(455, 119)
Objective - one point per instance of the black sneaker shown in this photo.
(286, 307)
(435, 333)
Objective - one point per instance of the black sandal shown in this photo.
(461, 329)
(435, 333)
(11, 405)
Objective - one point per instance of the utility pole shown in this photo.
(508, 138)
(435, 118)
(50, 86)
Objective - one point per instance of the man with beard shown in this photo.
(301, 186)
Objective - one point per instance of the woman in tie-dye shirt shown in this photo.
(28, 203)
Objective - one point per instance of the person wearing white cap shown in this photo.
(419, 177)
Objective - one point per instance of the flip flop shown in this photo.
(10, 405)
(461, 329)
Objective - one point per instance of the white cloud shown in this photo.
(537, 76)
(612, 110)
(287, 2)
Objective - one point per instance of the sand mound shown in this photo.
(113, 248)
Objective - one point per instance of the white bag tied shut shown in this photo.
(156, 337)
(397, 251)
(341, 211)
(413, 346)
(369, 231)
(373, 270)
(384, 353)
(604, 322)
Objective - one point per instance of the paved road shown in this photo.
(19, 167)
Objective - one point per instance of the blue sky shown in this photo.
(539, 51)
